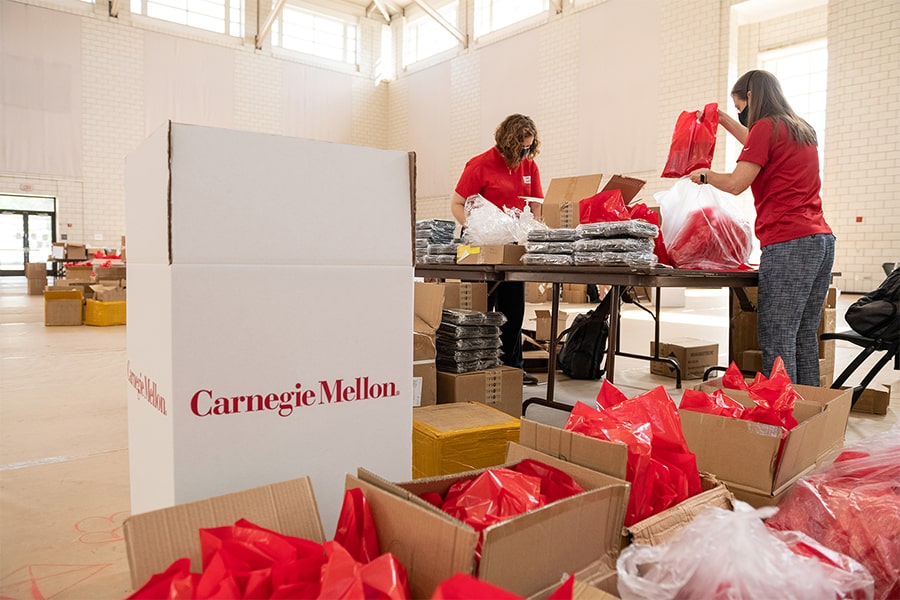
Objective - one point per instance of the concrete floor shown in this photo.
(64, 479)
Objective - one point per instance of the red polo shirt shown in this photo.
(786, 190)
(487, 174)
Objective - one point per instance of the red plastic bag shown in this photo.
(493, 496)
(603, 207)
(693, 142)
(356, 529)
(175, 583)
(466, 587)
(716, 403)
(703, 228)
(852, 506)
(344, 578)
(661, 469)
(774, 396)
(555, 484)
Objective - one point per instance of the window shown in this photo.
(317, 34)
(803, 72)
(220, 16)
(424, 37)
(491, 15)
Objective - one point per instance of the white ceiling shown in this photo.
(391, 7)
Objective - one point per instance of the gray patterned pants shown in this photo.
(793, 281)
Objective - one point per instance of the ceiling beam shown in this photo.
(263, 32)
(382, 8)
(114, 8)
(443, 22)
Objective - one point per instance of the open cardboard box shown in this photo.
(561, 204)
(154, 540)
(744, 454)
(494, 254)
(612, 459)
(525, 554)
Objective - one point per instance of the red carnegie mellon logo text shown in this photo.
(146, 389)
(206, 403)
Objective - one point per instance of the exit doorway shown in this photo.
(27, 231)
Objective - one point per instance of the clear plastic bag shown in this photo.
(550, 247)
(632, 228)
(703, 227)
(732, 555)
(438, 259)
(629, 259)
(443, 249)
(547, 259)
(626, 244)
(486, 224)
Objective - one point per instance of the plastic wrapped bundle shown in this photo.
(531, 258)
(631, 228)
(732, 555)
(437, 259)
(852, 505)
(443, 248)
(630, 259)
(626, 244)
(550, 247)
(458, 332)
(451, 366)
(435, 231)
(462, 316)
(445, 344)
(562, 234)
(471, 355)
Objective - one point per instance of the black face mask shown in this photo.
(524, 153)
(742, 116)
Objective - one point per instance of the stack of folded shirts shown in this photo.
(550, 247)
(613, 243)
(468, 340)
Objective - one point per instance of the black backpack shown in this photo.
(585, 344)
(877, 314)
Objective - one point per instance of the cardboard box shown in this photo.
(629, 186)
(104, 313)
(154, 540)
(424, 370)
(62, 307)
(506, 254)
(538, 292)
(544, 319)
(36, 286)
(76, 252)
(612, 459)
(560, 208)
(466, 295)
(872, 401)
(107, 293)
(36, 270)
(525, 554)
(79, 272)
(451, 438)
(500, 388)
(745, 454)
(111, 272)
(694, 357)
(574, 293)
(315, 364)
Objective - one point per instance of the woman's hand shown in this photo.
(700, 176)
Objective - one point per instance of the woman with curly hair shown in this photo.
(780, 164)
(503, 175)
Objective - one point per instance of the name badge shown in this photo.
(526, 179)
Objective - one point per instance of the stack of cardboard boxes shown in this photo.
(36, 275)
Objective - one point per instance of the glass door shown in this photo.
(39, 233)
(12, 244)
(27, 225)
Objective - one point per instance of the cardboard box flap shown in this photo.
(658, 528)
(411, 490)
(629, 186)
(155, 539)
(429, 302)
(395, 518)
(750, 457)
(599, 455)
(424, 350)
(572, 189)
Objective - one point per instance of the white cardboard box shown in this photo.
(246, 259)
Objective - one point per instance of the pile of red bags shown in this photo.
(501, 493)
(661, 469)
(248, 561)
(853, 506)
(466, 587)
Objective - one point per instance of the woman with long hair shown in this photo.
(780, 164)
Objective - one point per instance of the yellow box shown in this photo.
(102, 314)
(453, 438)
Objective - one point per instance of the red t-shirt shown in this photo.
(487, 174)
(786, 190)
